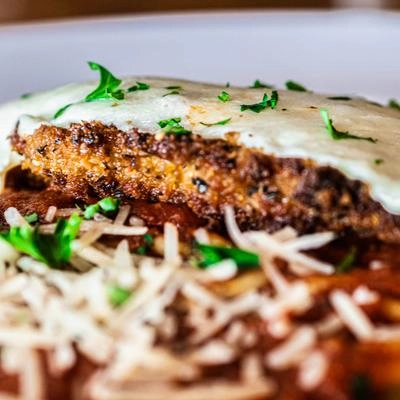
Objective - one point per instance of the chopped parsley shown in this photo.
(344, 98)
(295, 86)
(379, 161)
(172, 126)
(394, 104)
(172, 92)
(224, 96)
(32, 218)
(263, 104)
(227, 84)
(338, 135)
(210, 255)
(26, 95)
(259, 84)
(139, 86)
(117, 295)
(61, 111)
(148, 242)
(223, 122)
(108, 87)
(105, 206)
(348, 261)
(54, 250)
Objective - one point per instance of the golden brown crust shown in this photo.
(91, 159)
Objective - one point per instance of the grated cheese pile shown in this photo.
(66, 312)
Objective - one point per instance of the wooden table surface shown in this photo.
(25, 10)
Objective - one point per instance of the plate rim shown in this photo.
(198, 16)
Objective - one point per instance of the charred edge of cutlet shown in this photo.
(268, 192)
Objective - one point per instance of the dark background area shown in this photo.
(27, 10)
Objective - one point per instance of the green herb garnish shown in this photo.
(210, 255)
(61, 111)
(263, 104)
(344, 98)
(348, 261)
(54, 250)
(32, 218)
(224, 96)
(117, 295)
(172, 92)
(295, 86)
(259, 84)
(273, 102)
(106, 89)
(148, 242)
(105, 206)
(26, 95)
(227, 84)
(223, 122)
(172, 126)
(394, 104)
(139, 86)
(108, 85)
(338, 135)
(379, 161)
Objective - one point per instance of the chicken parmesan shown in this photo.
(171, 240)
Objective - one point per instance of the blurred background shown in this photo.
(28, 10)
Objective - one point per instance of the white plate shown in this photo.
(339, 52)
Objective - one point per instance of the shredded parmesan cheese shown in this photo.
(59, 311)
(351, 315)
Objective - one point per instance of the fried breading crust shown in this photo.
(90, 159)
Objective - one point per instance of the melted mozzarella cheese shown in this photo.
(294, 129)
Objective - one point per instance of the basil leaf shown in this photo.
(224, 96)
(117, 295)
(379, 161)
(259, 84)
(139, 86)
(108, 85)
(210, 255)
(106, 206)
(172, 126)
(54, 250)
(295, 86)
(338, 135)
(263, 104)
(173, 87)
(223, 122)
